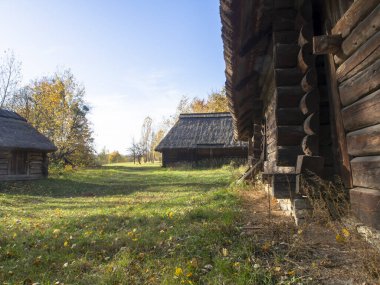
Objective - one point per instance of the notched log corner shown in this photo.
(327, 44)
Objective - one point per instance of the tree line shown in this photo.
(55, 106)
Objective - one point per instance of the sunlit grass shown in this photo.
(125, 224)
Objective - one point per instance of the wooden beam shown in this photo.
(357, 11)
(285, 55)
(361, 84)
(364, 141)
(361, 58)
(362, 32)
(366, 171)
(327, 44)
(287, 76)
(363, 113)
(338, 134)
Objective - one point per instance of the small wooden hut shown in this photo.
(199, 137)
(23, 150)
(303, 84)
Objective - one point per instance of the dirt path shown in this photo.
(312, 252)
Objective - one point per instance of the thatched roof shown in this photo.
(201, 130)
(246, 27)
(16, 133)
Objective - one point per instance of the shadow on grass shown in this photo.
(100, 182)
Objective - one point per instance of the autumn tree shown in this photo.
(55, 106)
(10, 78)
(114, 157)
(215, 102)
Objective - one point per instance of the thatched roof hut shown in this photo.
(22, 148)
(201, 136)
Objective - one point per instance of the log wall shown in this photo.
(358, 83)
(36, 166)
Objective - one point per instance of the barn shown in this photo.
(23, 150)
(198, 137)
(302, 78)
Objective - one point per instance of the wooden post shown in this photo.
(327, 44)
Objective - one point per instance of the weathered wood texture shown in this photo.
(365, 204)
(355, 13)
(363, 57)
(366, 172)
(337, 128)
(364, 142)
(362, 32)
(362, 113)
(327, 44)
(360, 84)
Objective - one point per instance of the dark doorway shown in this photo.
(19, 163)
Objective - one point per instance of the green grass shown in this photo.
(125, 224)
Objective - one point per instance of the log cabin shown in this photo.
(201, 137)
(302, 79)
(23, 150)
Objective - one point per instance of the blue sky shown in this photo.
(135, 58)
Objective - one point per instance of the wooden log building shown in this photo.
(302, 79)
(23, 150)
(200, 137)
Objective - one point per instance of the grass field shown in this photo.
(125, 224)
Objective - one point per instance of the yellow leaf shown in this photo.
(225, 252)
(345, 232)
(189, 274)
(340, 238)
(66, 244)
(292, 272)
(170, 215)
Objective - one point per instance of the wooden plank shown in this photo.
(287, 155)
(337, 129)
(285, 37)
(357, 11)
(362, 113)
(366, 171)
(287, 76)
(361, 84)
(365, 205)
(289, 135)
(364, 142)
(289, 96)
(289, 116)
(371, 49)
(362, 32)
(326, 44)
(285, 55)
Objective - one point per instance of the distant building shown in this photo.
(199, 137)
(23, 150)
